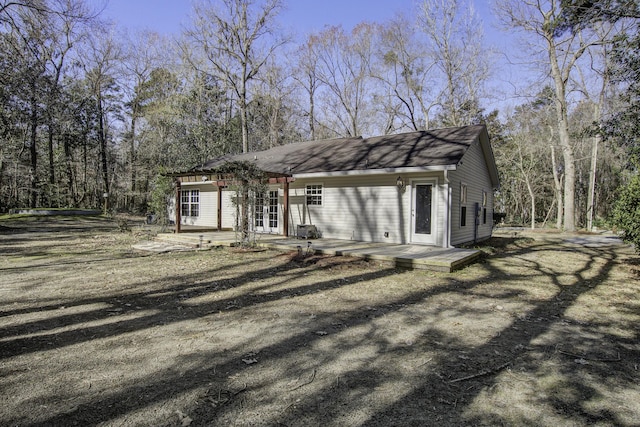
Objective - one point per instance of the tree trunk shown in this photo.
(33, 169)
(103, 149)
(565, 141)
(132, 155)
(52, 171)
(2, 176)
(245, 126)
(560, 79)
(594, 159)
(569, 180)
(85, 165)
(557, 190)
(592, 182)
(533, 206)
(71, 197)
(312, 125)
(244, 120)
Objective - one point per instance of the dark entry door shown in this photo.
(423, 209)
(423, 225)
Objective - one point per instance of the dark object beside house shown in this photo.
(499, 217)
(306, 231)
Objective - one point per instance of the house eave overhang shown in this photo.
(490, 160)
(384, 171)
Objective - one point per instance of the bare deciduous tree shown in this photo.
(271, 109)
(405, 70)
(344, 69)
(455, 40)
(562, 51)
(306, 75)
(237, 40)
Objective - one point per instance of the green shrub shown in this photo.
(626, 212)
(161, 193)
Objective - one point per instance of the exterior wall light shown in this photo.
(400, 183)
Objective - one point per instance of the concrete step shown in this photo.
(192, 240)
(161, 247)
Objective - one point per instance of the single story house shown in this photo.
(429, 187)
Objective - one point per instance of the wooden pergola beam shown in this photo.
(178, 206)
(220, 208)
(285, 209)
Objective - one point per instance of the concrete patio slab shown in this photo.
(405, 256)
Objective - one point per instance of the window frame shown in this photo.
(463, 204)
(190, 203)
(314, 192)
(463, 193)
(485, 198)
(272, 210)
(258, 208)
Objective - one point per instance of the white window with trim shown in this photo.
(485, 198)
(463, 205)
(313, 194)
(463, 193)
(190, 203)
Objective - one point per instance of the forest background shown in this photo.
(92, 113)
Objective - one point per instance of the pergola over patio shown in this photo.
(225, 180)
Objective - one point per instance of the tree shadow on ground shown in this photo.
(566, 366)
(401, 361)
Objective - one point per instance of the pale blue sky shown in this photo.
(303, 16)
(306, 16)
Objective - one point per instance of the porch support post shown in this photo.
(446, 240)
(178, 206)
(219, 207)
(285, 209)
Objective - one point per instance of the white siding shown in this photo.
(208, 215)
(472, 171)
(362, 208)
(228, 210)
(208, 206)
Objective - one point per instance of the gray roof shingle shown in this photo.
(423, 149)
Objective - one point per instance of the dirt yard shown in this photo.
(541, 332)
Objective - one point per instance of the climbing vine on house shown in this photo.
(249, 184)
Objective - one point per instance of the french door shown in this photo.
(266, 213)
